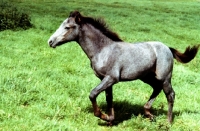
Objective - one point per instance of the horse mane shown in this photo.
(97, 23)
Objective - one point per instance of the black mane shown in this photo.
(98, 24)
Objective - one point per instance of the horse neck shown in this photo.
(92, 41)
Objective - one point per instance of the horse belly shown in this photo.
(127, 75)
(137, 68)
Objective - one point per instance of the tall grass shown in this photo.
(47, 89)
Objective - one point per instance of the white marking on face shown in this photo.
(59, 34)
(66, 32)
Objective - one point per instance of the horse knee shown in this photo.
(92, 96)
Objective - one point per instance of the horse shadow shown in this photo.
(125, 110)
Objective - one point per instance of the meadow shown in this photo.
(45, 89)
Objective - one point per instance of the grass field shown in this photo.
(43, 89)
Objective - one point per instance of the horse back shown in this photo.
(139, 59)
(131, 61)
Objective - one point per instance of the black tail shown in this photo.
(187, 56)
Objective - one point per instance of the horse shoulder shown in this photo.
(105, 61)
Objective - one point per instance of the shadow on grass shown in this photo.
(125, 110)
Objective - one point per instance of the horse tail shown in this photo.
(187, 56)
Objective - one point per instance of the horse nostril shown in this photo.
(50, 41)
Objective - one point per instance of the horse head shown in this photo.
(67, 31)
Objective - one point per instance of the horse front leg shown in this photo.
(104, 85)
(109, 100)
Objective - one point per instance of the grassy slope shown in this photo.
(47, 89)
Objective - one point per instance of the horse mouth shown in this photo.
(53, 45)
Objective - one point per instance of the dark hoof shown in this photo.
(109, 123)
(151, 117)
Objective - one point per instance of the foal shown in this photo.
(114, 60)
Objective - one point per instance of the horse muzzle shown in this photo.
(52, 43)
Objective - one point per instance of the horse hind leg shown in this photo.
(148, 105)
(157, 87)
(170, 95)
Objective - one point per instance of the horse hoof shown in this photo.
(151, 117)
(109, 123)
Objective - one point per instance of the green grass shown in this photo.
(47, 89)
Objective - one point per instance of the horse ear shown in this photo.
(77, 16)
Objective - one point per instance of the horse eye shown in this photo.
(67, 27)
